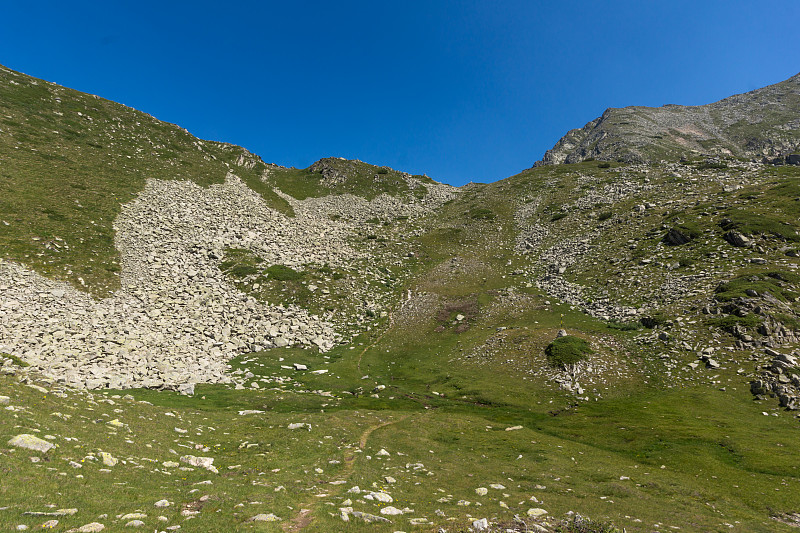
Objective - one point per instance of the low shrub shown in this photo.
(13, 358)
(580, 524)
(567, 350)
(481, 213)
(624, 326)
(731, 322)
(706, 165)
(283, 273)
(242, 271)
(654, 320)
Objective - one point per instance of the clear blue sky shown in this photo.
(459, 90)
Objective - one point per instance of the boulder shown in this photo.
(370, 518)
(108, 459)
(737, 239)
(676, 237)
(265, 518)
(187, 389)
(31, 442)
(202, 462)
(480, 525)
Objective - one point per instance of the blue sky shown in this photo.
(459, 90)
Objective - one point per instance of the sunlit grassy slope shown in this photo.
(446, 392)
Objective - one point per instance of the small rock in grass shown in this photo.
(93, 527)
(380, 496)
(162, 503)
(265, 518)
(134, 523)
(481, 491)
(203, 462)
(31, 442)
(187, 389)
(369, 518)
(536, 512)
(133, 516)
(108, 459)
(480, 525)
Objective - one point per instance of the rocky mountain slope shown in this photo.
(760, 124)
(191, 338)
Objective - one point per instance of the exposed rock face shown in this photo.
(757, 124)
(781, 379)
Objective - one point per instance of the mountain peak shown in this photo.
(757, 124)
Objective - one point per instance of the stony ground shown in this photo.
(204, 341)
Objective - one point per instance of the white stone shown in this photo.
(108, 459)
(31, 442)
(480, 525)
(93, 527)
(265, 518)
(381, 497)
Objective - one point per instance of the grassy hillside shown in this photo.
(70, 160)
(678, 283)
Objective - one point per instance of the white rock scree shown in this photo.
(176, 319)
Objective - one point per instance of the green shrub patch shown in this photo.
(567, 350)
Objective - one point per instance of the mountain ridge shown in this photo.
(193, 338)
(756, 124)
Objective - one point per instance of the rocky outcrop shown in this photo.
(779, 379)
(757, 124)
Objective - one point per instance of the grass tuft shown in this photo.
(567, 350)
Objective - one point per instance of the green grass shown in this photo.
(657, 444)
(731, 322)
(780, 284)
(481, 213)
(66, 175)
(751, 223)
(567, 350)
(283, 273)
(14, 359)
(353, 177)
